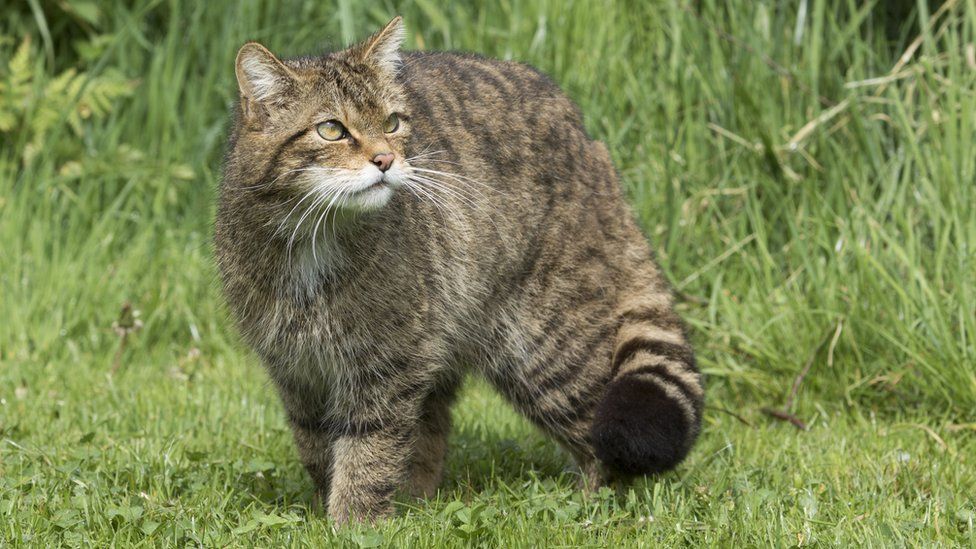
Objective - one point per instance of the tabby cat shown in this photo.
(388, 222)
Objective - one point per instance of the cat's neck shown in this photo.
(309, 264)
(333, 254)
(279, 261)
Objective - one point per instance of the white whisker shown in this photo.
(457, 177)
(342, 196)
(447, 192)
(439, 206)
(318, 201)
(438, 160)
(473, 195)
(283, 174)
(315, 230)
(423, 154)
(305, 197)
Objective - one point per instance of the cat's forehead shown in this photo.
(355, 88)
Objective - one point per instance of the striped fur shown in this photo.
(652, 412)
(497, 243)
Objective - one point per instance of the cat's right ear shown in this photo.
(263, 79)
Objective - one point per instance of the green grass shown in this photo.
(810, 195)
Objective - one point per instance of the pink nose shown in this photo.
(383, 161)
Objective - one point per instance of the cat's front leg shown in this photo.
(367, 469)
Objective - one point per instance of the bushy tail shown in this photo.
(651, 413)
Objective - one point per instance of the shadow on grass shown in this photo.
(480, 459)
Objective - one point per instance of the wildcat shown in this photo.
(388, 222)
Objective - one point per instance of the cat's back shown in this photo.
(508, 103)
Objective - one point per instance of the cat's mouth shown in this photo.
(369, 191)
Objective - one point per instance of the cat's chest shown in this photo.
(331, 327)
(309, 346)
(329, 309)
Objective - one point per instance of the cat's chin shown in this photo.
(373, 198)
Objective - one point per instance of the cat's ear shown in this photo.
(261, 76)
(383, 48)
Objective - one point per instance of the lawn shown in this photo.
(806, 171)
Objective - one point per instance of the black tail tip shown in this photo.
(639, 430)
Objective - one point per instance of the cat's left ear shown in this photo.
(383, 48)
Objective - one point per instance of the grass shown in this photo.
(809, 190)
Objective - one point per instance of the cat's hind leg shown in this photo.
(559, 390)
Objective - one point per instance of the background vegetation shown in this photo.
(805, 168)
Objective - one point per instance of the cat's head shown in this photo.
(324, 132)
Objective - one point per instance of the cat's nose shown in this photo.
(383, 161)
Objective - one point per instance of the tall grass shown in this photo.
(809, 187)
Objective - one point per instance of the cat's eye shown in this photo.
(392, 123)
(331, 130)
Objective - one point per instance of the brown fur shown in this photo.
(517, 258)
